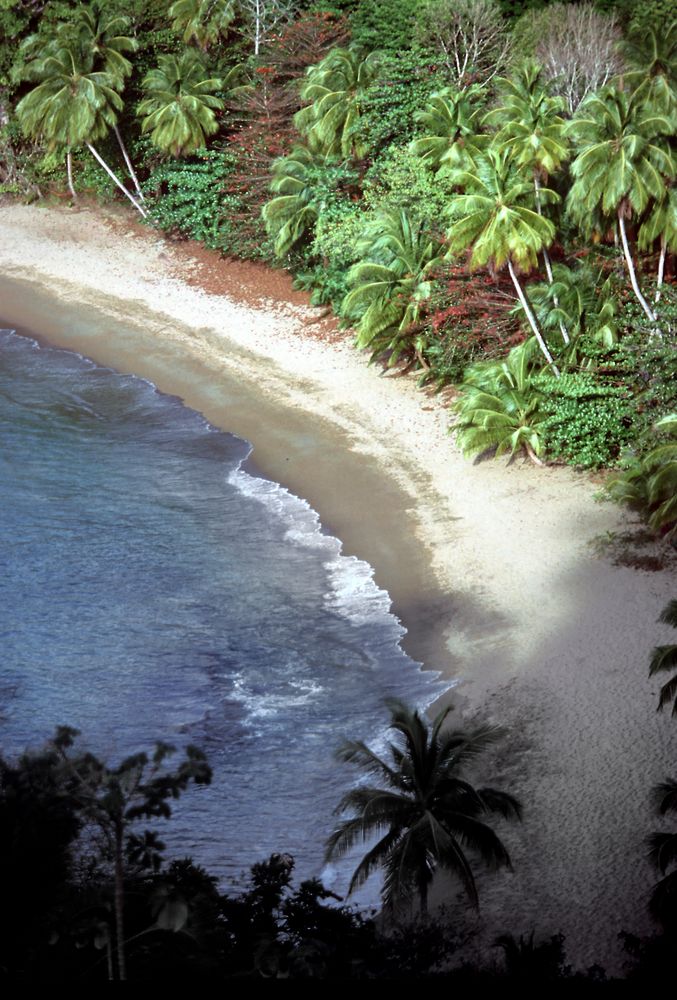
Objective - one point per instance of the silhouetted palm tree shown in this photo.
(426, 814)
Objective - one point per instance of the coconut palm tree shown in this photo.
(180, 104)
(650, 53)
(665, 658)
(663, 854)
(390, 288)
(495, 219)
(424, 811)
(499, 407)
(202, 21)
(103, 39)
(623, 164)
(335, 87)
(579, 299)
(532, 133)
(649, 484)
(301, 181)
(71, 106)
(450, 125)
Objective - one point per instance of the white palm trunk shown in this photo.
(631, 269)
(532, 320)
(661, 269)
(116, 180)
(69, 170)
(130, 168)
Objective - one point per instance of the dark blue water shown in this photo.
(151, 589)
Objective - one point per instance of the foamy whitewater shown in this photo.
(154, 589)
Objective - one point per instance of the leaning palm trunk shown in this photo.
(548, 265)
(69, 170)
(661, 269)
(631, 268)
(116, 180)
(532, 320)
(130, 168)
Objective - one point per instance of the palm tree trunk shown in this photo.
(130, 168)
(631, 268)
(532, 320)
(548, 266)
(661, 269)
(69, 171)
(116, 180)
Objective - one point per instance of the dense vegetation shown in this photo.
(484, 189)
(89, 895)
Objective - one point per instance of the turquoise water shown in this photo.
(153, 589)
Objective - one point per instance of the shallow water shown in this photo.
(152, 589)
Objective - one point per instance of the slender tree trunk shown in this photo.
(130, 168)
(69, 170)
(116, 180)
(661, 269)
(119, 905)
(548, 266)
(532, 319)
(631, 269)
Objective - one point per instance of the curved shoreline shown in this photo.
(489, 566)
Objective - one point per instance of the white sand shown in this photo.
(558, 653)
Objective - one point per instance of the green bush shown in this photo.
(384, 24)
(586, 422)
(399, 179)
(188, 197)
(406, 81)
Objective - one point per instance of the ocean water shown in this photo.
(153, 589)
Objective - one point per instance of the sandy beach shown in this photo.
(492, 567)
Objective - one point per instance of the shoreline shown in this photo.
(489, 566)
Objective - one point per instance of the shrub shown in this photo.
(189, 199)
(586, 422)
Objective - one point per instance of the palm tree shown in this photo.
(335, 87)
(651, 55)
(500, 407)
(72, 105)
(179, 109)
(425, 813)
(532, 133)
(102, 38)
(663, 854)
(649, 484)
(450, 126)
(389, 290)
(301, 182)
(494, 218)
(665, 658)
(202, 21)
(623, 164)
(661, 224)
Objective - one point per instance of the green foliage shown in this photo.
(305, 183)
(337, 232)
(587, 421)
(334, 88)
(187, 197)
(657, 14)
(649, 483)
(450, 125)
(665, 658)
(389, 286)
(385, 24)
(400, 180)
(180, 104)
(388, 106)
(500, 407)
(204, 22)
